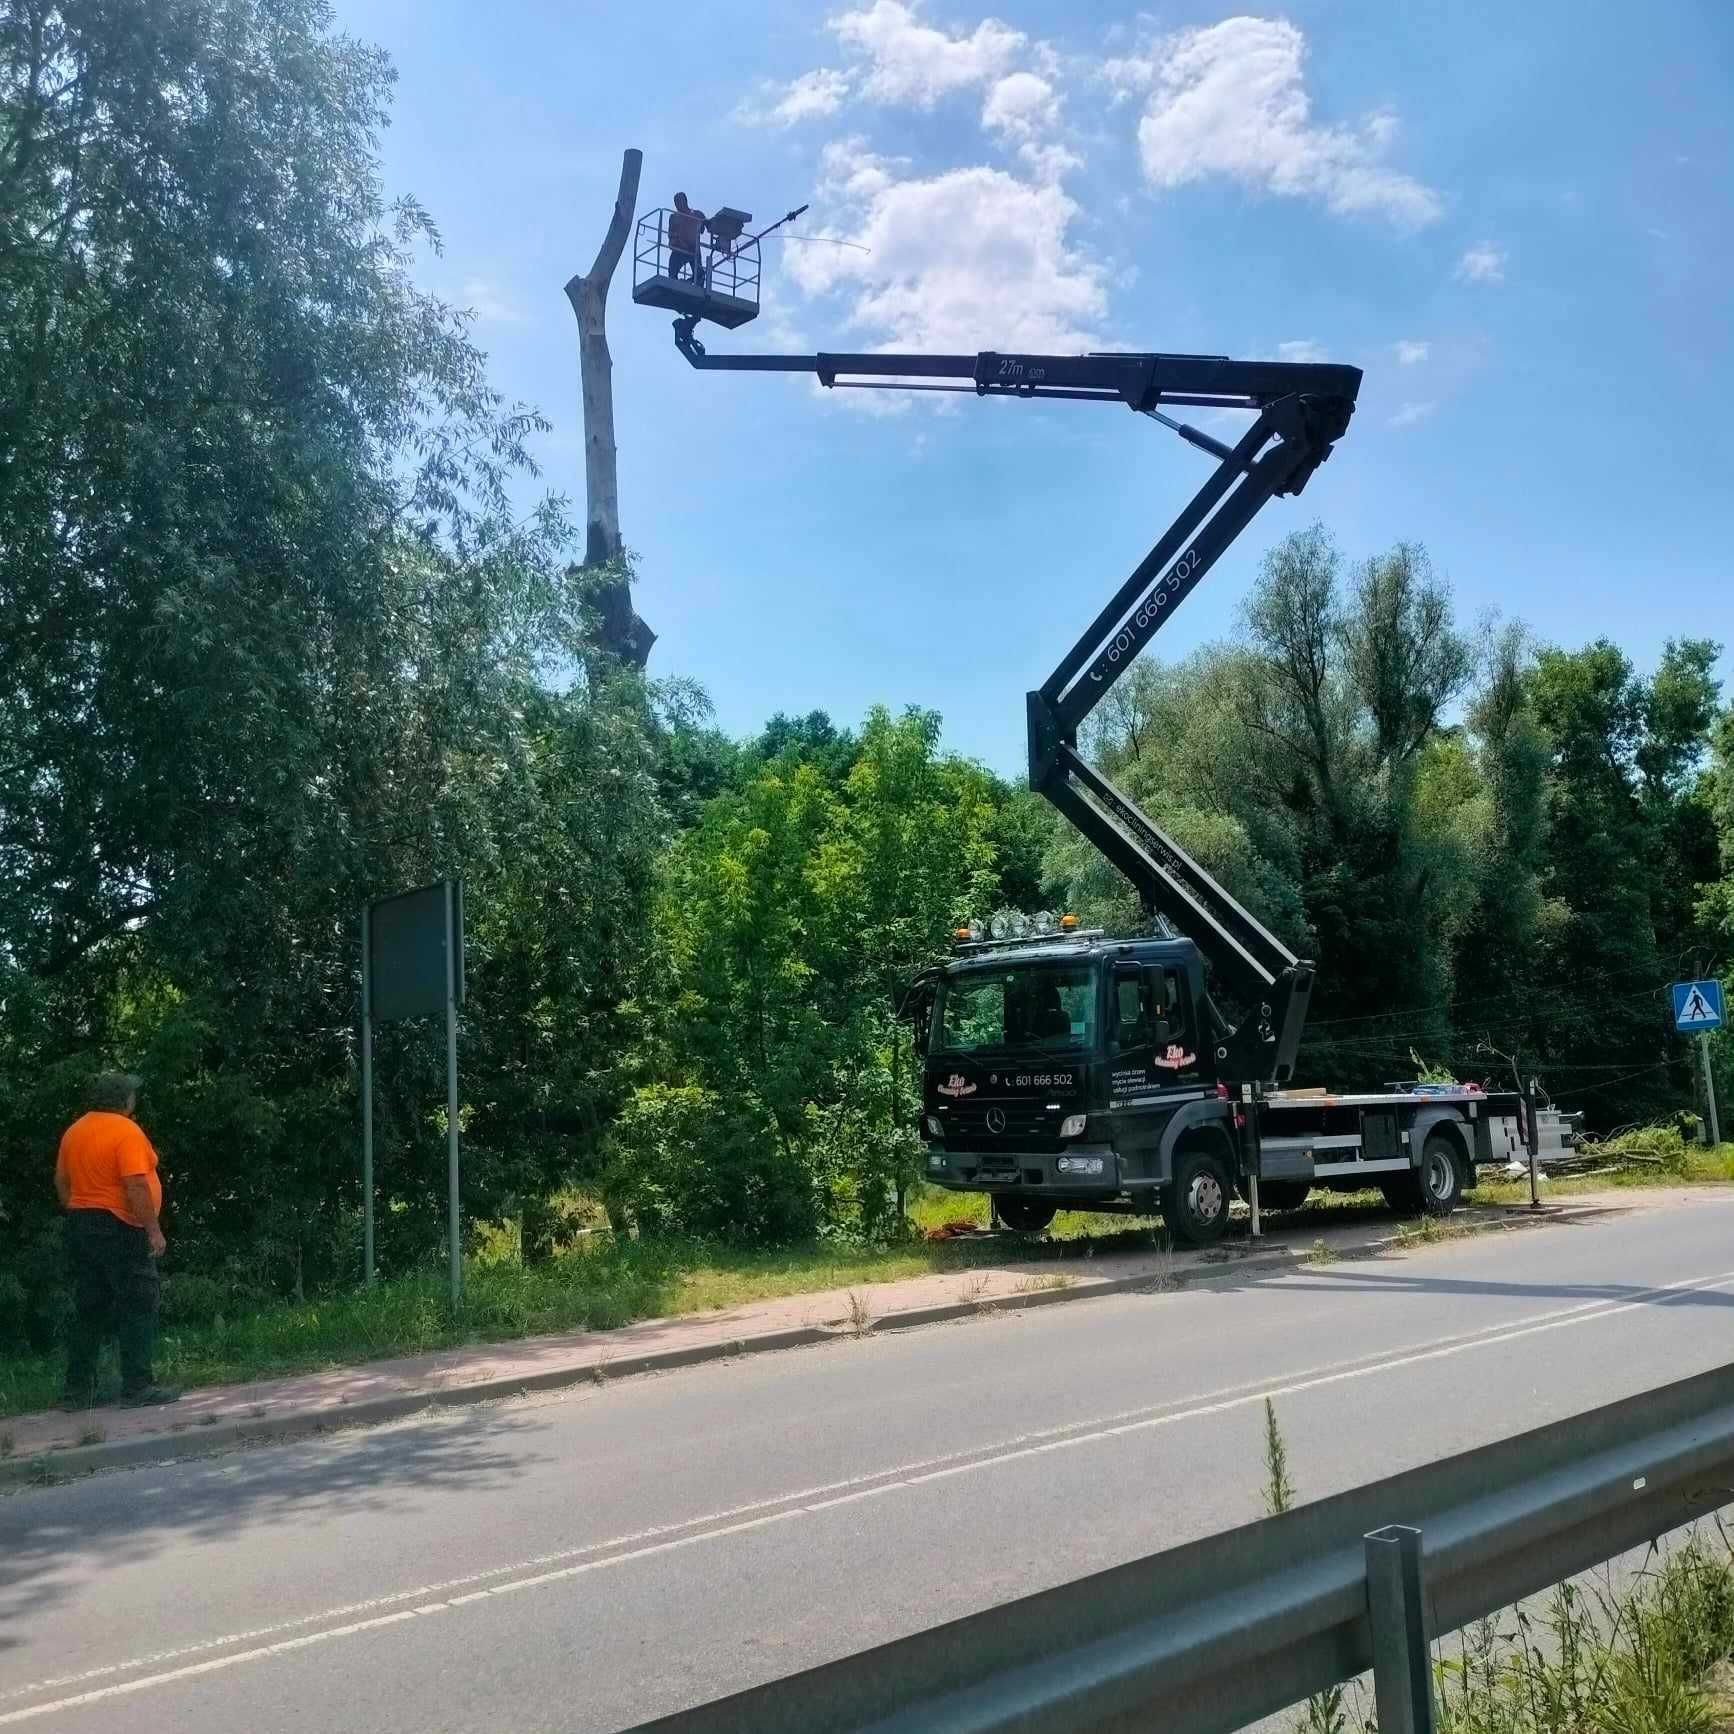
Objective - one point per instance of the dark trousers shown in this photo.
(679, 260)
(114, 1287)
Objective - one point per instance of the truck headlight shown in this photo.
(934, 1129)
(1073, 1127)
(1079, 1164)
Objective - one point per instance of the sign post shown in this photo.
(413, 966)
(366, 1096)
(1710, 1093)
(453, 987)
(1698, 1010)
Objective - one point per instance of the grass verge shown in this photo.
(1652, 1654)
(600, 1284)
(1692, 1166)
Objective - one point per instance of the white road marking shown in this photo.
(432, 1598)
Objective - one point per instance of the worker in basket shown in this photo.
(685, 231)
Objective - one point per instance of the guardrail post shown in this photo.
(1402, 1667)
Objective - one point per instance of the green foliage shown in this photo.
(789, 921)
(1660, 1147)
(1637, 1660)
(276, 635)
(1278, 1488)
(684, 1161)
(1427, 1073)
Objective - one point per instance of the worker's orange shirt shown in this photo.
(98, 1154)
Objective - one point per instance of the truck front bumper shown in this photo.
(1035, 1173)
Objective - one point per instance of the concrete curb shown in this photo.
(210, 1440)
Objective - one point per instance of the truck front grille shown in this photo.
(967, 1128)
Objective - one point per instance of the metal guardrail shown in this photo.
(1205, 1638)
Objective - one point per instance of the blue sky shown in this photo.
(1518, 219)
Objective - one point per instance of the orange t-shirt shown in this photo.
(97, 1154)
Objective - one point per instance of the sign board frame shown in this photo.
(1693, 995)
(407, 966)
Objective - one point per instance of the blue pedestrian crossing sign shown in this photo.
(1697, 1007)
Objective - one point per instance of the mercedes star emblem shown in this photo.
(996, 1119)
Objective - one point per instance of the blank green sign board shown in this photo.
(407, 943)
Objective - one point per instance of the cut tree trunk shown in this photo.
(619, 630)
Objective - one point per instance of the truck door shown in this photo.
(1154, 1042)
(1176, 1047)
(1132, 1020)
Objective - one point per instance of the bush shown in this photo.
(683, 1162)
(865, 1167)
(1651, 1146)
(35, 1298)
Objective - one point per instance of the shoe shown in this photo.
(149, 1397)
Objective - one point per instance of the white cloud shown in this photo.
(1021, 106)
(1484, 263)
(1127, 75)
(901, 60)
(812, 96)
(489, 303)
(914, 63)
(1303, 349)
(1049, 162)
(964, 260)
(1412, 413)
(1231, 99)
(1411, 352)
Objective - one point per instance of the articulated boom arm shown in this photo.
(1301, 410)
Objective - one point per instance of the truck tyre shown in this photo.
(1195, 1207)
(1277, 1194)
(1437, 1187)
(1025, 1215)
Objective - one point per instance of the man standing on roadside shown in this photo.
(107, 1180)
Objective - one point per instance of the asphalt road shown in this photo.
(588, 1560)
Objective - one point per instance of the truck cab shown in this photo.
(1074, 1071)
(1068, 1071)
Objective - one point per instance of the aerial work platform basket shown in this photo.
(727, 286)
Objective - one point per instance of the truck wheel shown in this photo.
(1277, 1194)
(1437, 1188)
(1025, 1215)
(1195, 1207)
(1441, 1175)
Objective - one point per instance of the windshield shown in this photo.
(1044, 1008)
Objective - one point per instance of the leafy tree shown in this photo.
(812, 739)
(1621, 808)
(789, 923)
(1501, 816)
(276, 636)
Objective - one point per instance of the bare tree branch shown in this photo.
(620, 631)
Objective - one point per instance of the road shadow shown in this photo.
(1357, 1276)
(52, 1539)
